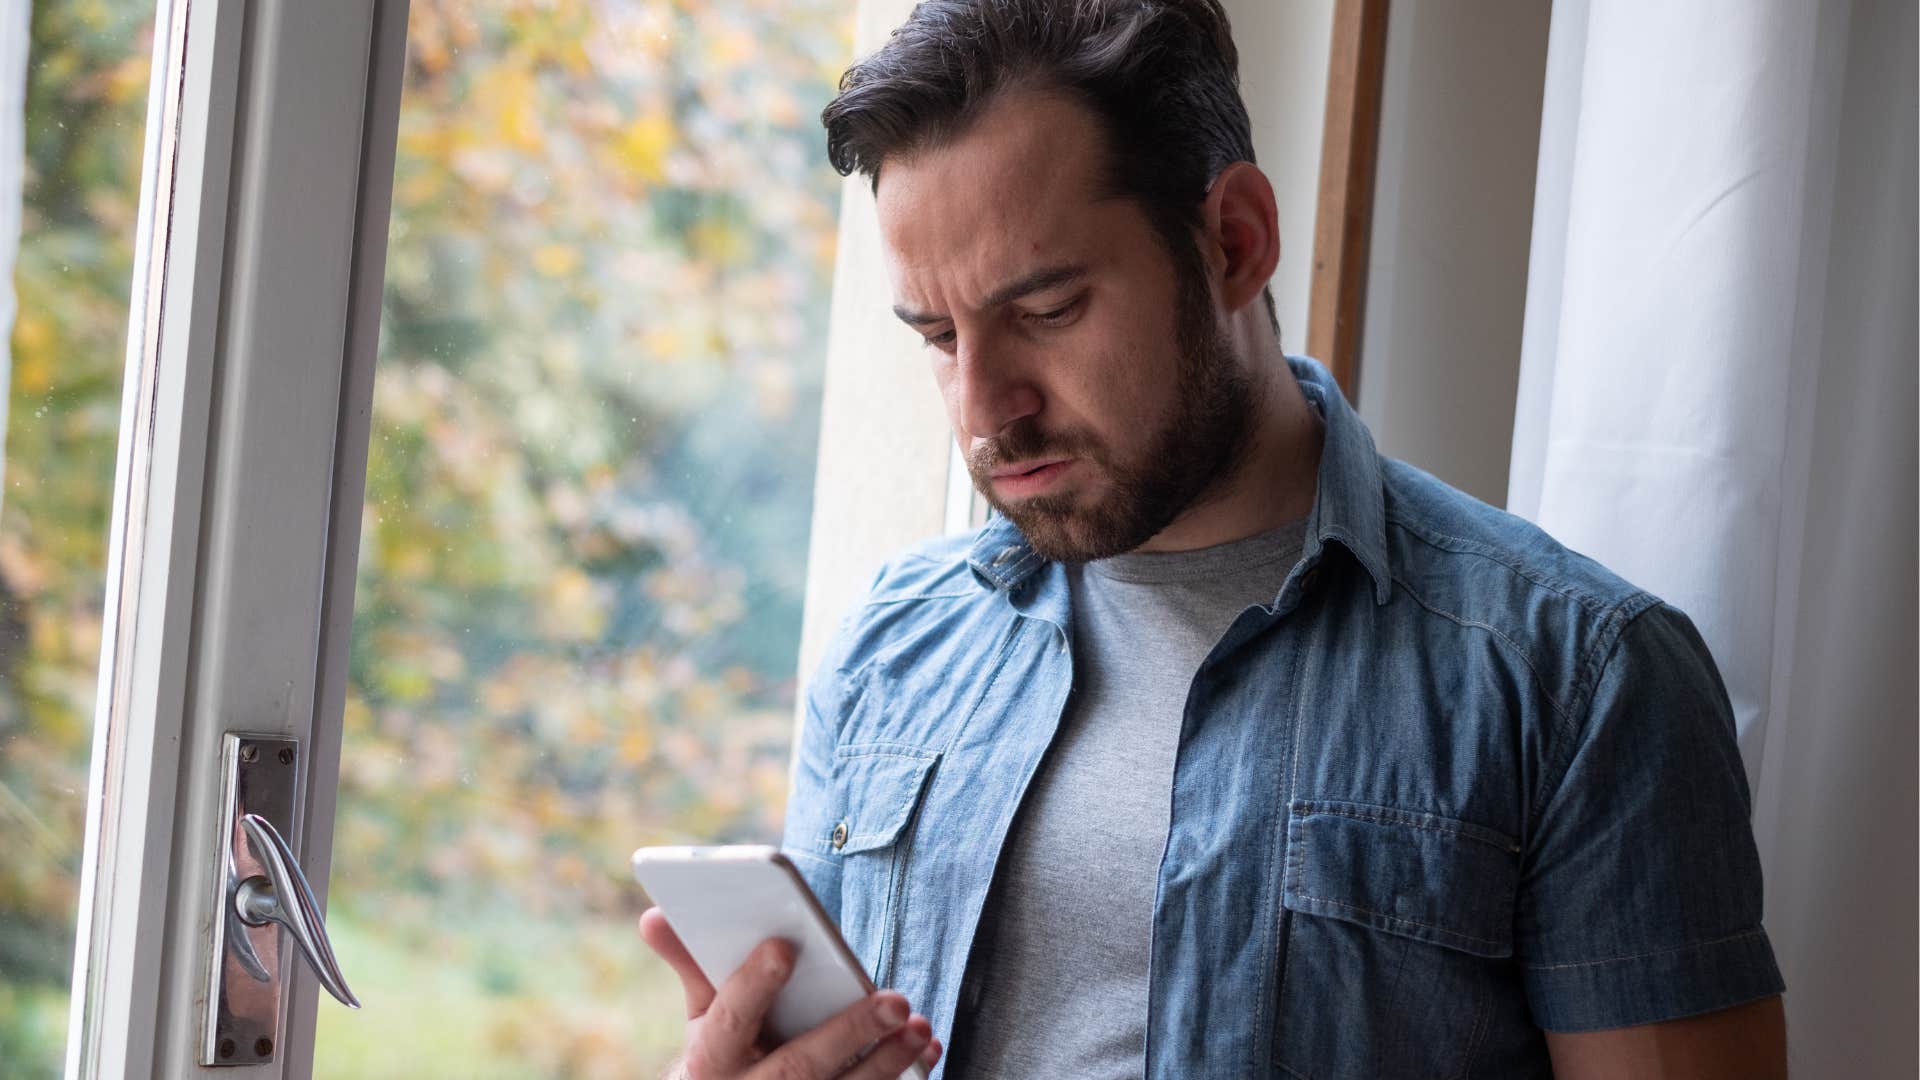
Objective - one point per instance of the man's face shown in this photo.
(1090, 384)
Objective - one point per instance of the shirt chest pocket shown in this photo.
(1399, 941)
(880, 788)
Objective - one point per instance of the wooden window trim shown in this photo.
(1349, 152)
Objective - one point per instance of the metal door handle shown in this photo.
(258, 901)
(259, 892)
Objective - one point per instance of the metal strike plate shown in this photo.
(260, 775)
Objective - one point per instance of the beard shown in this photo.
(1196, 448)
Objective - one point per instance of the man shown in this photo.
(1229, 748)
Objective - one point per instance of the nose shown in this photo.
(990, 389)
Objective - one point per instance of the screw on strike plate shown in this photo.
(249, 753)
(286, 755)
(226, 1048)
(263, 1046)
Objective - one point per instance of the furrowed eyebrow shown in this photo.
(1049, 277)
(916, 318)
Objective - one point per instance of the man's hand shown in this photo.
(724, 1038)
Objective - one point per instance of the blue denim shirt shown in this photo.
(1457, 784)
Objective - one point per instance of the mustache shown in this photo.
(1024, 441)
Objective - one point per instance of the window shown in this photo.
(589, 486)
(75, 180)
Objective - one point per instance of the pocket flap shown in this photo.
(880, 785)
(1419, 875)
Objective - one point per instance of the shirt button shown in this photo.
(839, 836)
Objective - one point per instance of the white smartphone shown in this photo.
(723, 901)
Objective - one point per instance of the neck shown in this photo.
(1275, 480)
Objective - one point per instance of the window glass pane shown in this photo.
(70, 166)
(588, 494)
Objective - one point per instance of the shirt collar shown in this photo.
(1350, 498)
(1349, 502)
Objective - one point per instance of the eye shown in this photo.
(940, 340)
(1059, 316)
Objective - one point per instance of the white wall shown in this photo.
(1284, 48)
(880, 482)
(1453, 212)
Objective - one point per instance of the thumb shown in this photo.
(659, 936)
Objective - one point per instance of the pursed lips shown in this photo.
(1025, 469)
(1031, 479)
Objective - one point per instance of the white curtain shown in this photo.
(1717, 400)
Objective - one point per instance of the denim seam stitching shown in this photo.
(885, 835)
(999, 664)
(878, 601)
(1432, 824)
(1464, 546)
(1274, 989)
(1483, 1015)
(1294, 852)
(1606, 638)
(1756, 931)
(1539, 682)
(1019, 570)
(1401, 919)
(1396, 986)
(805, 854)
(902, 750)
(897, 880)
(888, 836)
(1592, 666)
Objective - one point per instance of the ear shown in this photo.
(1242, 233)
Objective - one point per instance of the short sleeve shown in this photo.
(1640, 897)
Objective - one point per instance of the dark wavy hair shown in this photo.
(1161, 76)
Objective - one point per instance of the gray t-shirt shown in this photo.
(1057, 981)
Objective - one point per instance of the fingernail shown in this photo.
(893, 1012)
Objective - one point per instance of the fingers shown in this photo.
(895, 1052)
(932, 1053)
(826, 1049)
(732, 1018)
(730, 1028)
(661, 939)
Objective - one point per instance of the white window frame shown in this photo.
(242, 469)
(269, 164)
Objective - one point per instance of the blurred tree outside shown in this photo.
(588, 498)
(85, 119)
(585, 533)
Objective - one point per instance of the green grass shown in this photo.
(499, 998)
(33, 1029)
(487, 998)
